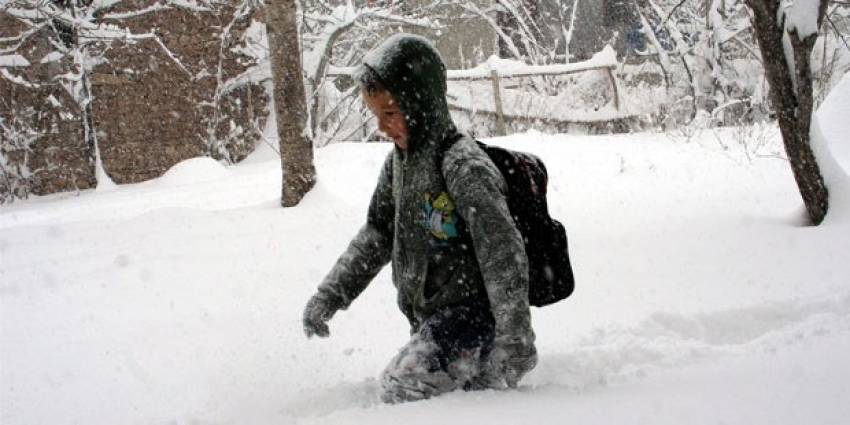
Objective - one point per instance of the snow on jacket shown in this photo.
(430, 205)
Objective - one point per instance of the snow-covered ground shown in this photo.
(700, 298)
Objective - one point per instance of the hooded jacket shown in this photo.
(439, 211)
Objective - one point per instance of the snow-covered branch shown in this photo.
(329, 26)
(15, 42)
(344, 18)
(156, 7)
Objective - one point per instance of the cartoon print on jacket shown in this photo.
(439, 216)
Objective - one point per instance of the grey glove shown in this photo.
(316, 315)
(507, 363)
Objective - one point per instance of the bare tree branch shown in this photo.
(669, 15)
(837, 32)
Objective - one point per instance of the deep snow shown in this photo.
(700, 298)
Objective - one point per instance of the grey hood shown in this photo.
(412, 71)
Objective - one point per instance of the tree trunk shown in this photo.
(793, 105)
(296, 148)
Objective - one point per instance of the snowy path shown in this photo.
(699, 299)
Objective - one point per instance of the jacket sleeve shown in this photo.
(479, 192)
(369, 251)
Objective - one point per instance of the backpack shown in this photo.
(550, 275)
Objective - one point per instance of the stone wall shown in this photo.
(151, 107)
(42, 146)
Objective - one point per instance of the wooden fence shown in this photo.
(496, 70)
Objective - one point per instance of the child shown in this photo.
(440, 215)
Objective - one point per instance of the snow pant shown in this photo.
(446, 353)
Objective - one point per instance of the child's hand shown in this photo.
(316, 315)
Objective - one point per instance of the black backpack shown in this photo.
(550, 274)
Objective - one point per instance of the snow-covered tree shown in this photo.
(338, 34)
(787, 32)
(707, 56)
(518, 26)
(73, 36)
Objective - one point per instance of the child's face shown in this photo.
(391, 120)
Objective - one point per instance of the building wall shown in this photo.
(42, 147)
(148, 112)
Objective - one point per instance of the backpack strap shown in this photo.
(444, 147)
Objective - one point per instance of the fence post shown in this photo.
(501, 128)
(613, 80)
